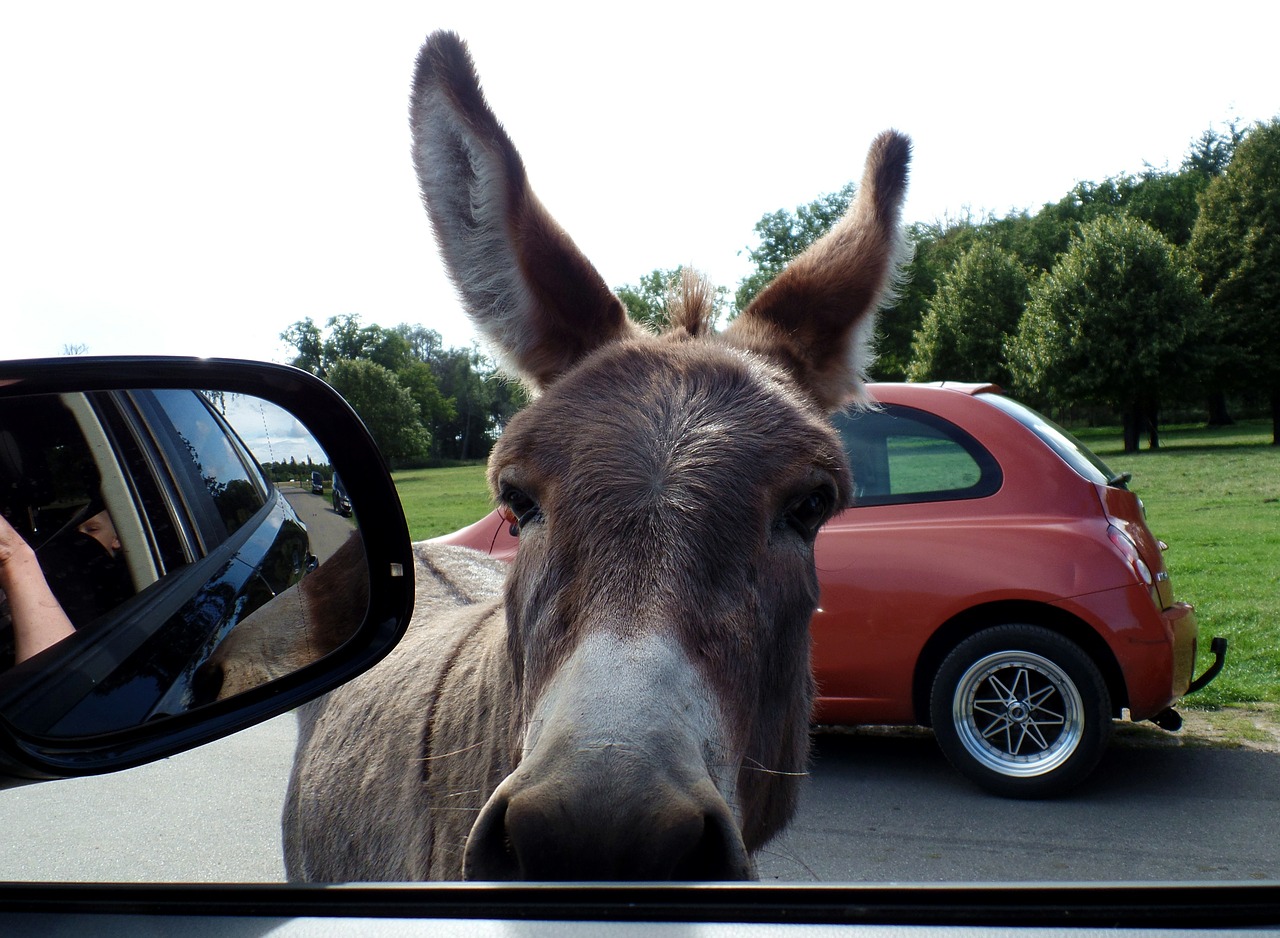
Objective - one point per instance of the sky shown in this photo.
(190, 179)
(271, 433)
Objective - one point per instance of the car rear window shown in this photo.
(1075, 454)
(901, 455)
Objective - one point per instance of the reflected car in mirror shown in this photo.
(178, 508)
(173, 579)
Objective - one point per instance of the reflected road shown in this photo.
(326, 529)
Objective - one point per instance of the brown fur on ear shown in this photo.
(525, 284)
(817, 316)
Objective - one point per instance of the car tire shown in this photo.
(1021, 710)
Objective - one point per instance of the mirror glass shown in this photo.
(161, 549)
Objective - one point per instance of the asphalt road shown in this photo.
(326, 529)
(879, 808)
(889, 808)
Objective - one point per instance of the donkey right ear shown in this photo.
(531, 292)
(817, 316)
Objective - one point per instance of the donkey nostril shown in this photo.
(717, 855)
(489, 854)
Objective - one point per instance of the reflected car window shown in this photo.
(236, 490)
(156, 531)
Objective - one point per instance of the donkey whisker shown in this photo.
(762, 769)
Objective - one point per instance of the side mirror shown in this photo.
(189, 579)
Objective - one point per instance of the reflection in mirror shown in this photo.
(161, 549)
(301, 625)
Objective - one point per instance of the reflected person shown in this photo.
(38, 618)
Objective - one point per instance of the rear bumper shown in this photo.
(1155, 649)
(1180, 620)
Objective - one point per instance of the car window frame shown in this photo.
(990, 474)
(1087, 464)
(155, 419)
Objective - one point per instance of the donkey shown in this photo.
(631, 699)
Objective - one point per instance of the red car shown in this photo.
(993, 580)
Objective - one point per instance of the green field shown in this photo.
(1212, 495)
(437, 501)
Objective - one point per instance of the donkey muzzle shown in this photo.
(615, 782)
(553, 830)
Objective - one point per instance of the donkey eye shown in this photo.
(518, 508)
(809, 512)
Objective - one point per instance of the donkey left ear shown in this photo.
(817, 316)
(535, 297)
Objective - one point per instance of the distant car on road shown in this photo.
(993, 579)
(341, 503)
(317, 483)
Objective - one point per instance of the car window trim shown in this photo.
(990, 473)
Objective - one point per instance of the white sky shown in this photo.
(271, 433)
(190, 180)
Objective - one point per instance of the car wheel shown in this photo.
(1021, 710)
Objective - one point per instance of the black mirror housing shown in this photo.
(28, 753)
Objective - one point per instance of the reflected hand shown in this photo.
(38, 619)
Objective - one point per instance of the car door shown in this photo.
(922, 489)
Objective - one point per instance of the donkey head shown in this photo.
(668, 490)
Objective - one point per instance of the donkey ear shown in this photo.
(817, 316)
(524, 283)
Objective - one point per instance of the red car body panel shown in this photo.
(901, 584)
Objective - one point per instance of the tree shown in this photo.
(1117, 321)
(1236, 247)
(1211, 152)
(425, 345)
(458, 400)
(461, 375)
(783, 235)
(434, 409)
(387, 409)
(345, 339)
(934, 248)
(973, 312)
(646, 302)
(1168, 202)
(308, 342)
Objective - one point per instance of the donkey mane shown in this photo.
(691, 305)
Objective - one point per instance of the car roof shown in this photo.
(963, 387)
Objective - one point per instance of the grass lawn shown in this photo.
(437, 501)
(1212, 495)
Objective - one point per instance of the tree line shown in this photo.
(423, 403)
(295, 470)
(1126, 297)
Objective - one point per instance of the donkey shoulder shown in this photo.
(418, 707)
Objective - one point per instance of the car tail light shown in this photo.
(1129, 551)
